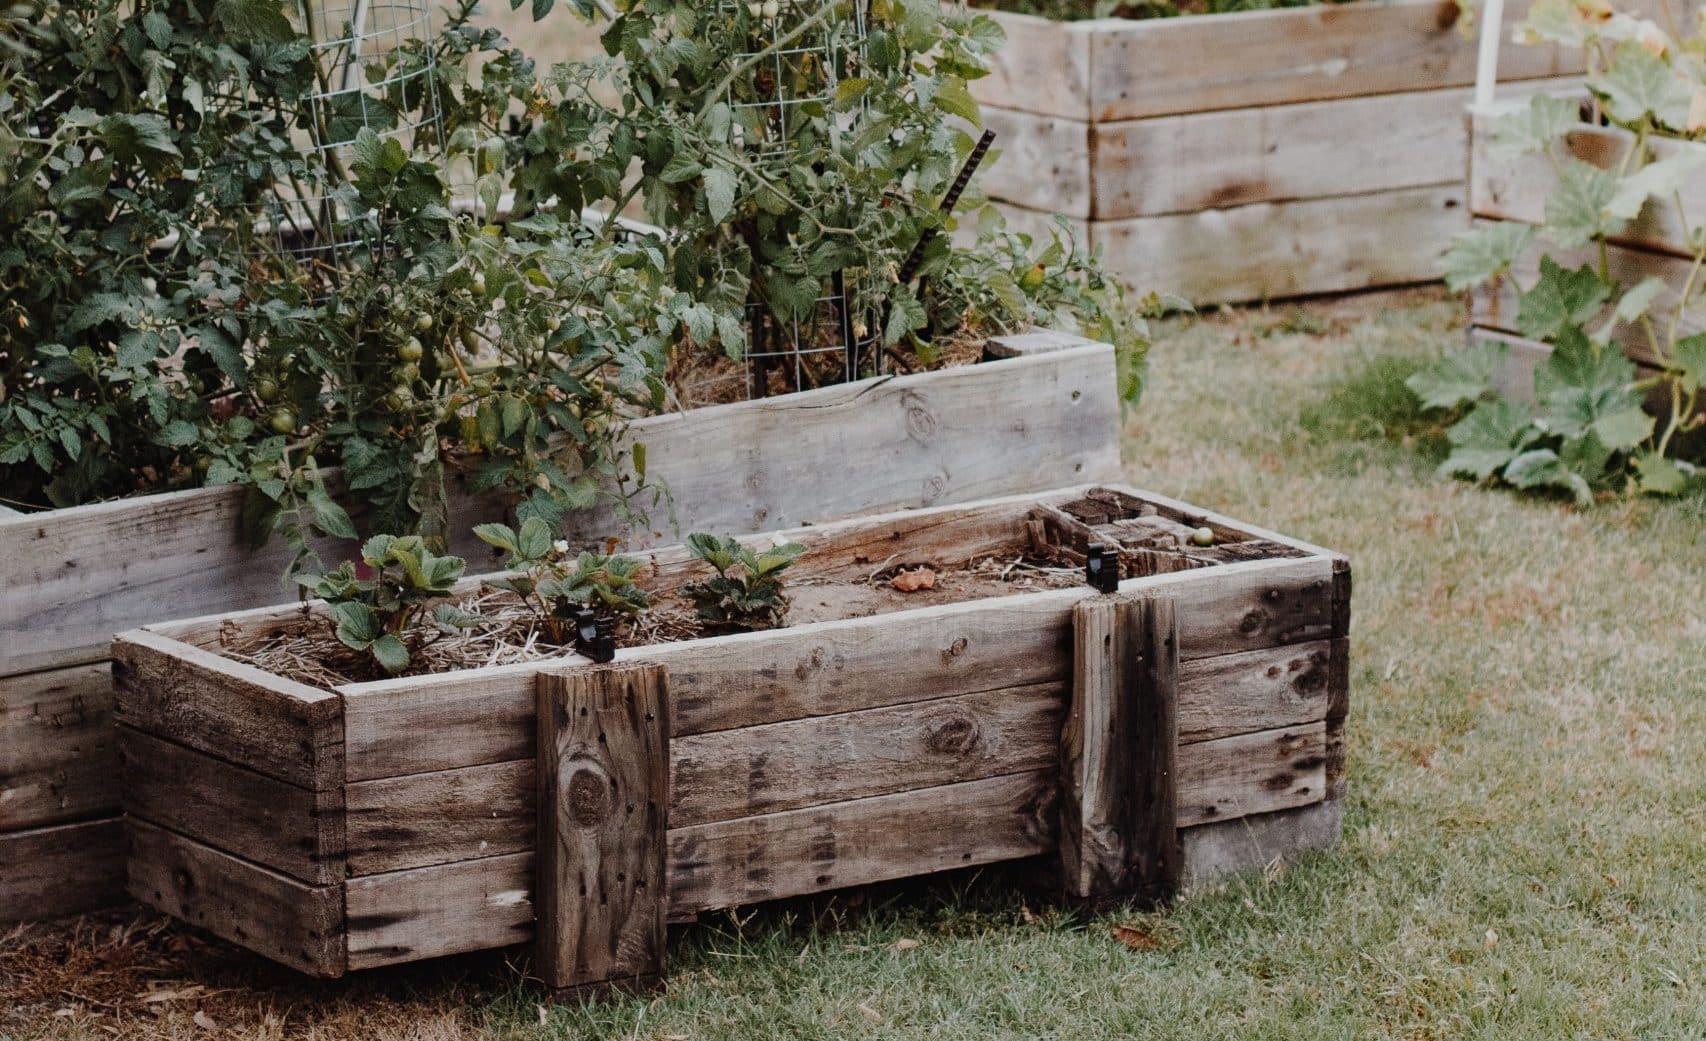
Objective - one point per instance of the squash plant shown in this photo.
(1588, 432)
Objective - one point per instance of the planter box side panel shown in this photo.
(56, 728)
(62, 870)
(1213, 852)
(293, 923)
(1284, 249)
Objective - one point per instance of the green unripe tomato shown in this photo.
(1202, 537)
(266, 389)
(553, 323)
(538, 343)
(478, 283)
(408, 373)
(423, 323)
(281, 421)
(410, 350)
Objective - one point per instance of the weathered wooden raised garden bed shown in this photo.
(1191, 722)
(1655, 245)
(70, 579)
(1248, 155)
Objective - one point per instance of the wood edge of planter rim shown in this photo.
(364, 899)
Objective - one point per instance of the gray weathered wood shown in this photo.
(1252, 773)
(236, 712)
(300, 925)
(1275, 249)
(1254, 690)
(603, 770)
(59, 761)
(296, 831)
(1118, 806)
(61, 870)
(1213, 852)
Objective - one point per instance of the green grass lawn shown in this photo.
(1525, 843)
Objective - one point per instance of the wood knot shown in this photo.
(957, 648)
(921, 423)
(957, 734)
(1253, 621)
(586, 799)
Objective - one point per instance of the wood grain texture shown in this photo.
(59, 762)
(450, 815)
(1252, 773)
(295, 831)
(299, 925)
(1044, 67)
(603, 784)
(1173, 65)
(457, 720)
(1288, 248)
(1118, 747)
(1045, 163)
(232, 711)
(1265, 689)
(478, 904)
(70, 579)
(1213, 852)
(62, 870)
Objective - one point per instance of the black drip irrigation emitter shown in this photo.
(1101, 568)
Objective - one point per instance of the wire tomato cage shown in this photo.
(374, 70)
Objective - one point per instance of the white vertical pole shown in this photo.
(1487, 61)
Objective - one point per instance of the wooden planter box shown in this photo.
(1515, 189)
(1249, 155)
(70, 579)
(1190, 723)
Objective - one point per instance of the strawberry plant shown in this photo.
(557, 589)
(392, 614)
(746, 593)
(1588, 432)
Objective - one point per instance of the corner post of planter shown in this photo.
(1119, 836)
(603, 780)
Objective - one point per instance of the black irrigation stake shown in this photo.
(1101, 568)
(910, 267)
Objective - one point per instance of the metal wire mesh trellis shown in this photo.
(374, 70)
(786, 106)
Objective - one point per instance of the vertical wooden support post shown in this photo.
(1339, 681)
(603, 775)
(1119, 837)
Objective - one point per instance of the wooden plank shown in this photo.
(1252, 773)
(477, 904)
(1213, 852)
(1046, 163)
(60, 764)
(292, 923)
(1173, 65)
(70, 579)
(603, 769)
(1265, 689)
(1037, 341)
(1118, 832)
(808, 762)
(293, 830)
(235, 712)
(1044, 67)
(1283, 249)
(920, 440)
(396, 823)
(1517, 187)
(62, 870)
(1338, 711)
(1276, 153)
(465, 719)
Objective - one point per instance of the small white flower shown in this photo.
(561, 546)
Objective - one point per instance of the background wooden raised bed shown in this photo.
(1249, 155)
(1515, 189)
(391, 821)
(70, 579)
